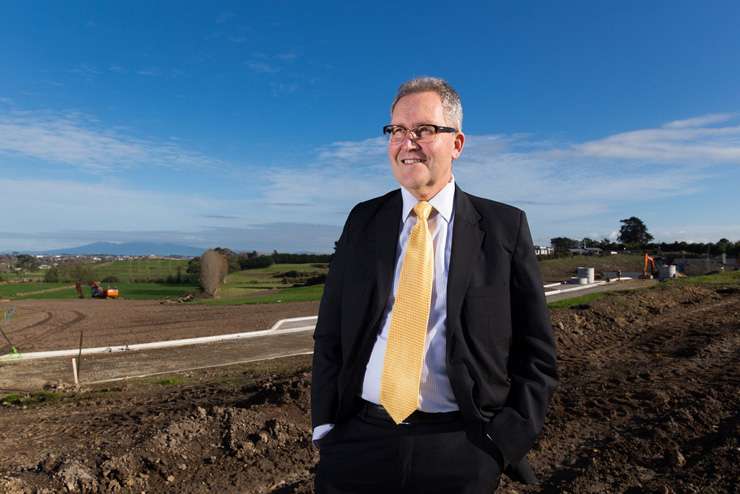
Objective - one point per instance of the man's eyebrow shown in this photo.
(414, 125)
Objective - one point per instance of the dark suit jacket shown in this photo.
(500, 349)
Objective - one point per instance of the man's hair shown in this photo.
(451, 104)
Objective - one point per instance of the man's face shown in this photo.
(424, 168)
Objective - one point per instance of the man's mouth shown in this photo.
(412, 161)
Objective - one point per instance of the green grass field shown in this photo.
(726, 278)
(562, 268)
(292, 294)
(126, 271)
(571, 302)
(265, 285)
(242, 287)
(266, 277)
(61, 291)
(17, 290)
(139, 269)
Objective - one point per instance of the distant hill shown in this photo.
(128, 249)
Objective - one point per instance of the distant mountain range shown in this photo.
(128, 249)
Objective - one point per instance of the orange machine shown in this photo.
(649, 262)
(96, 291)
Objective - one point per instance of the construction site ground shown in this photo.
(40, 325)
(648, 402)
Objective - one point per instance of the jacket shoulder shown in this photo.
(365, 211)
(491, 210)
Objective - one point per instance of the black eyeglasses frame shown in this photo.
(388, 129)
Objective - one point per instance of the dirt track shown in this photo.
(52, 325)
(648, 402)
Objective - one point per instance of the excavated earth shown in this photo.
(39, 325)
(648, 402)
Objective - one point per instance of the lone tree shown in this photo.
(213, 270)
(562, 244)
(633, 231)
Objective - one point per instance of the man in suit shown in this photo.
(462, 331)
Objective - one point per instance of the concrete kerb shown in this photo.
(575, 288)
(275, 330)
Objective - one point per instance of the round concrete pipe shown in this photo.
(588, 273)
(667, 271)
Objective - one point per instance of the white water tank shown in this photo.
(667, 271)
(588, 273)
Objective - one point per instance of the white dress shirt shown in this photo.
(435, 391)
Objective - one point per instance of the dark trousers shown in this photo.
(371, 454)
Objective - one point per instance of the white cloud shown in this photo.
(567, 189)
(262, 67)
(80, 141)
(150, 72)
(69, 213)
(704, 233)
(117, 69)
(685, 141)
(700, 121)
(85, 70)
(287, 56)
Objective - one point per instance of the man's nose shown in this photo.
(409, 141)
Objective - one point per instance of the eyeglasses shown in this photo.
(422, 133)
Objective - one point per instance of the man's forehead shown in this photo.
(418, 108)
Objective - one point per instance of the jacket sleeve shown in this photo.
(327, 354)
(532, 357)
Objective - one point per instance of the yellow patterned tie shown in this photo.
(399, 388)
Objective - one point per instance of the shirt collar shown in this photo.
(442, 202)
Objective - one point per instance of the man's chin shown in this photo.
(418, 179)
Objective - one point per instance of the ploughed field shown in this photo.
(648, 402)
(40, 325)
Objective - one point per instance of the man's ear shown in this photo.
(459, 144)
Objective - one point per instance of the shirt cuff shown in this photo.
(320, 431)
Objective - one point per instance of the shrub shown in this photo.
(256, 262)
(51, 276)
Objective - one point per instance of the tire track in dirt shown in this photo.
(79, 317)
(47, 317)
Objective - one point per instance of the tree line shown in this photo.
(634, 235)
(239, 261)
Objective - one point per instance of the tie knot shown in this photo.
(423, 209)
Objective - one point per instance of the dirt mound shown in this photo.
(648, 402)
(262, 441)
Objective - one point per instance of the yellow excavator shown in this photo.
(96, 291)
(649, 263)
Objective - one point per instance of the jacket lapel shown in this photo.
(467, 238)
(384, 232)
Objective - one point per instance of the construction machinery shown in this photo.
(649, 263)
(96, 291)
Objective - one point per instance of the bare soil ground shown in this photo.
(40, 325)
(648, 402)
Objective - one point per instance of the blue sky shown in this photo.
(256, 125)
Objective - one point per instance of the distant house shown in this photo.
(585, 251)
(540, 250)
